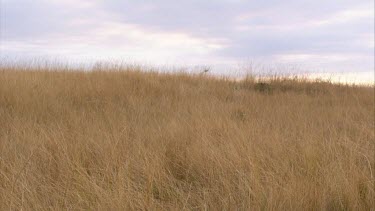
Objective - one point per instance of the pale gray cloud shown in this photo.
(336, 35)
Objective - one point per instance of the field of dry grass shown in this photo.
(130, 140)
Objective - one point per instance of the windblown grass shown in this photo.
(113, 140)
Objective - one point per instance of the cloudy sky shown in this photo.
(316, 35)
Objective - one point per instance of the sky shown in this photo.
(335, 36)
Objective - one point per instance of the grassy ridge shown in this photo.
(135, 140)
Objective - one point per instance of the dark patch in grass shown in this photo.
(263, 87)
(239, 116)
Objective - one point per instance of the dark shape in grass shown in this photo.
(263, 87)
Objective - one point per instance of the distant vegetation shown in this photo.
(128, 139)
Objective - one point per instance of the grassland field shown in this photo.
(136, 140)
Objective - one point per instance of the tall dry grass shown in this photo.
(130, 140)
